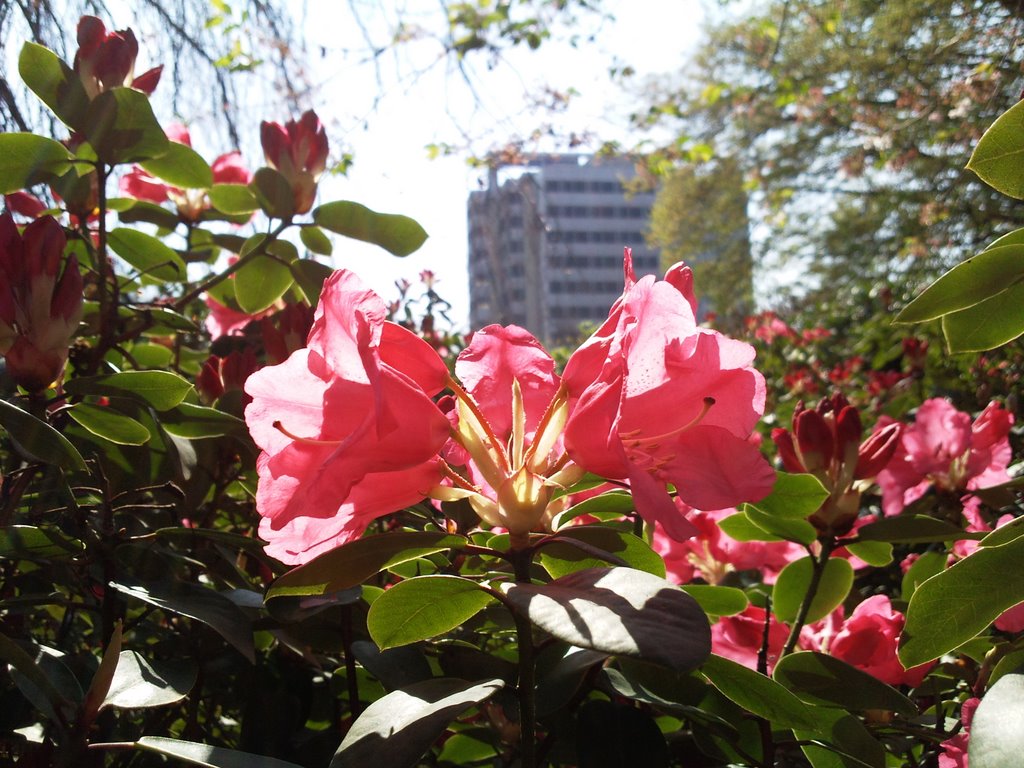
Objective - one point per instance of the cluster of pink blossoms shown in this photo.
(357, 425)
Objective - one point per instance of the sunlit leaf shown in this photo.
(424, 607)
(396, 234)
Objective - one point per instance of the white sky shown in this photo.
(392, 172)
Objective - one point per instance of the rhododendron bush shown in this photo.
(254, 513)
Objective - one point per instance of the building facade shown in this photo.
(545, 248)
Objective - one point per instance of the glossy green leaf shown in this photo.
(180, 166)
(840, 740)
(396, 234)
(876, 553)
(155, 261)
(579, 547)
(986, 325)
(742, 528)
(138, 683)
(37, 440)
(1016, 237)
(351, 564)
(716, 600)
(149, 213)
(273, 193)
(200, 603)
(824, 680)
(195, 422)
(793, 583)
(913, 529)
(998, 159)
(262, 281)
(233, 198)
(789, 529)
(793, 497)
(950, 608)
(619, 611)
(978, 278)
(27, 159)
(758, 694)
(310, 276)
(397, 729)
(54, 82)
(160, 389)
(1004, 533)
(121, 127)
(922, 569)
(424, 607)
(997, 730)
(27, 541)
(315, 240)
(613, 502)
(109, 424)
(205, 755)
(46, 695)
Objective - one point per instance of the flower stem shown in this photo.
(818, 568)
(521, 560)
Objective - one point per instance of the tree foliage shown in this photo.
(854, 122)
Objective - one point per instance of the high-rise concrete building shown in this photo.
(545, 247)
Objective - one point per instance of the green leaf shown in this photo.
(149, 213)
(27, 159)
(971, 282)
(28, 542)
(396, 730)
(353, 563)
(233, 198)
(262, 281)
(398, 235)
(619, 503)
(840, 741)
(37, 440)
(876, 553)
(199, 603)
(315, 240)
(785, 528)
(273, 193)
(194, 753)
(310, 276)
(579, 547)
(619, 611)
(160, 389)
(424, 607)
(794, 581)
(824, 680)
(138, 683)
(102, 679)
(998, 159)
(121, 127)
(913, 529)
(987, 325)
(195, 422)
(997, 730)
(922, 569)
(50, 700)
(180, 166)
(950, 608)
(155, 262)
(718, 601)
(54, 82)
(109, 424)
(793, 497)
(758, 694)
(742, 528)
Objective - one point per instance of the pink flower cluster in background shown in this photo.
(350, 428)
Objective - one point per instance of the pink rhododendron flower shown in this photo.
(954, 750)
(106, 60)
(868, 640)
(223, 320)
(740, 637)
(649, 353)
(711, 554)
(944, 449)
(347, 426)
(298, 151)
(40, 303)
(227, 169)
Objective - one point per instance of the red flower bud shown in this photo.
(106, 60)
(814, 439)
(877, 450)
(298, 151)
(787, 451)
